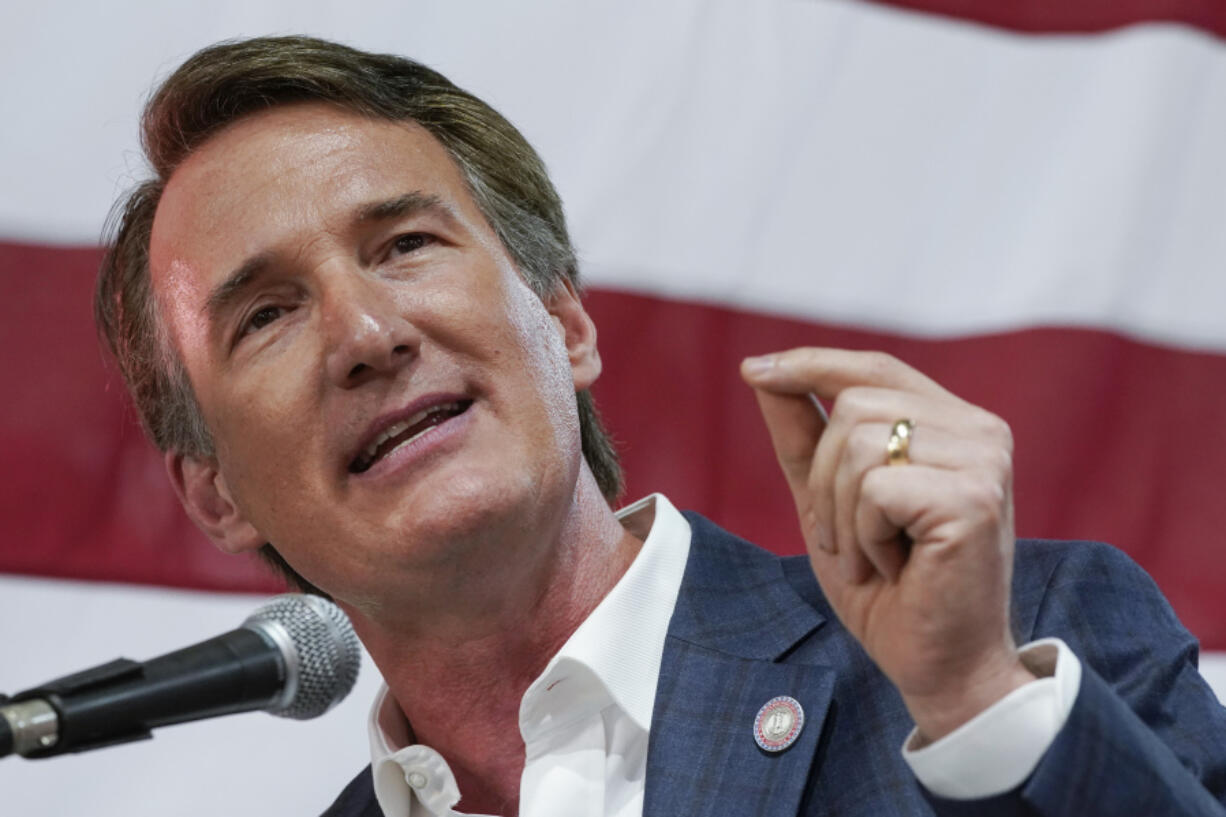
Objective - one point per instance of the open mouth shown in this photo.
(406, 431)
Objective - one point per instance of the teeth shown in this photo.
(399, 428)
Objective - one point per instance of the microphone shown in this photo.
(296, 657)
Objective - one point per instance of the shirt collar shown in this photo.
(621, 642)
(620, 645)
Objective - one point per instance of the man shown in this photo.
(348, 310)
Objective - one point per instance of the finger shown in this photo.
(932, 505)
(865, 449)
(854, 563)
(849, 566)
(888, 557)
(795, 429)
(874, 404)
(826, 372)
(834, 477)
(822, 485)
(953, 432)
(949, 433)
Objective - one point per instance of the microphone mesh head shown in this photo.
(326, 657)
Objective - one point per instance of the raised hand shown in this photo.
(915, 557)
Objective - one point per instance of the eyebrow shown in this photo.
(401, 206)
(230, 290)
(250, 271)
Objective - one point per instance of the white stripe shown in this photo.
(836, 161)
(243, 765)
(251, 764)
(1213, 668)
(896, 171)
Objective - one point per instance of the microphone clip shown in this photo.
(34, 715)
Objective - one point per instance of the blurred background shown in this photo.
(1026, 201)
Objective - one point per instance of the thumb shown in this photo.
(795, 427)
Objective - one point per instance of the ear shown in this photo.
(578, 332)
(206, 498)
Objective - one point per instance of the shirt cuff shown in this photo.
(998, 749)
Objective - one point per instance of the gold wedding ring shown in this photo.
(898, 449)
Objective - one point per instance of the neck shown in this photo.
(479, 658)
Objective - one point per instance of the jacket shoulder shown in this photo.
(1088, 590)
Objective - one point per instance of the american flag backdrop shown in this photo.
(1027, 201)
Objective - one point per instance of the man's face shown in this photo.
(384, 391)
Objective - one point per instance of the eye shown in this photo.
(261, 318)
(410, 242)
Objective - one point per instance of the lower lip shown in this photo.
(421, 448)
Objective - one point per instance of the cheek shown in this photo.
(507, 328)
(547, 363)
(264, 439)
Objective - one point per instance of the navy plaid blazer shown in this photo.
(1146, 735)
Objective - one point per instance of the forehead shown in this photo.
(279, 182)
(310, 159)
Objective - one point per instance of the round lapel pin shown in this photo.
(778, 723)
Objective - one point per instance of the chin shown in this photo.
(472, 510)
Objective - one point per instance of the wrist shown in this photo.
(962, 698)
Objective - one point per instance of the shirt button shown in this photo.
(417, 780)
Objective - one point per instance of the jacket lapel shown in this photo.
(736, 617)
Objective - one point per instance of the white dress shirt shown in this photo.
(585, 720)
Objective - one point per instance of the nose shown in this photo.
(366, 335)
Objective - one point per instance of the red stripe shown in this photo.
(82, 495)
(1074, 16)
(1116, 439)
